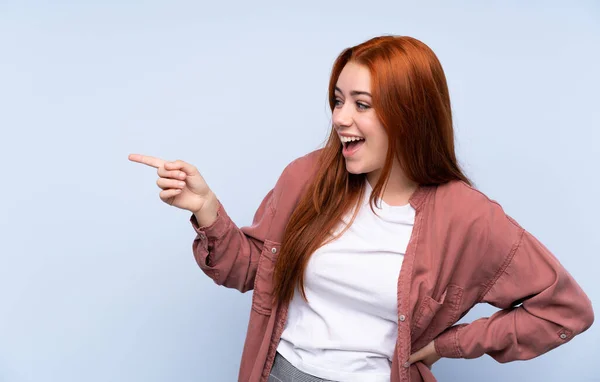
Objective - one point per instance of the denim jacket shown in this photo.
(464, 250)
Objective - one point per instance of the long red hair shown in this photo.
(411, 99)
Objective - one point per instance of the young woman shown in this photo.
(368, 251)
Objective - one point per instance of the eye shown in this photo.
(337, 102)
(362, 106)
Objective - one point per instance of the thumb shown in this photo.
(416, 357)
(181, 165)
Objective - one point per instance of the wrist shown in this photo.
(208, 214)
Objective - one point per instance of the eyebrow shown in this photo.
(355, 92)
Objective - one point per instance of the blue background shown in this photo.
(97, 277)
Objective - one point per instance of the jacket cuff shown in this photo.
(214, 231)
(447, 345)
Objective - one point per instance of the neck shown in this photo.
(398, 189)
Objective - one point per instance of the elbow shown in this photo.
(587, 318)
(582, 316)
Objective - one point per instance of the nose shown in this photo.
(342, 117)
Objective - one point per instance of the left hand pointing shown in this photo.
(427, 355)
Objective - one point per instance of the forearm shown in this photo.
(554, 309)
(225, 252)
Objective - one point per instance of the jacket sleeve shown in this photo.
(229, 254)
(542, 306)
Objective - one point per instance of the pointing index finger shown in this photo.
(147, 160)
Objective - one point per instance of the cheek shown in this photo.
(377, 151)
(334, 114)
(377, 139)
(378, 146)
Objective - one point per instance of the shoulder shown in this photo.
(305, 163)
(479, 223)
(294, 178)
(292, 182)
(457, 193)
(472, 209)
(299, 171)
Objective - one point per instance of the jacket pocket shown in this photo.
(436, 315)
(263, 283)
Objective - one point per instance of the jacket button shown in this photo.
(274, 250)
(406, 364)
(563, 336)
(402, 318)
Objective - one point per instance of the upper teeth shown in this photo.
(350, 139)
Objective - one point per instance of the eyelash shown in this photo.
(360, 105)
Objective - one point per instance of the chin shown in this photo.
(355, 168)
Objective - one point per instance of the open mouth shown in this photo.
(351, 145)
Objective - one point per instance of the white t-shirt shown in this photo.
(347, 331)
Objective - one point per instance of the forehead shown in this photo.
(354, 77)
